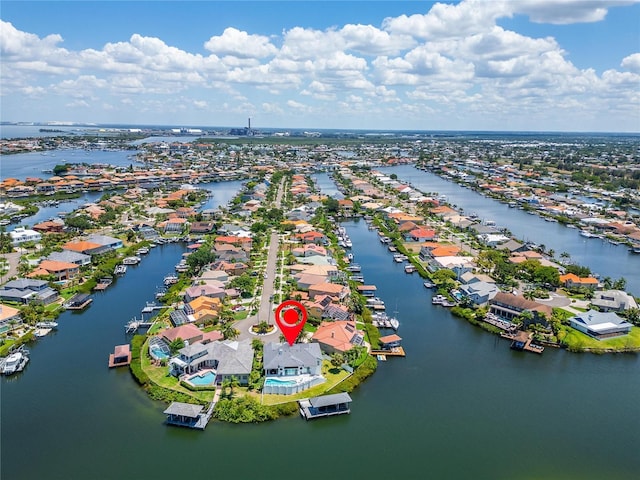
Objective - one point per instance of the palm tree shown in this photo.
(229, 332)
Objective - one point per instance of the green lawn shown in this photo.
(575, 340)
(160, 376)
(332, 380)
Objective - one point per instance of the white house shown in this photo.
(600, 325)
(479, 292)
(22, 235)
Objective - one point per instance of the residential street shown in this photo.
(265, 311)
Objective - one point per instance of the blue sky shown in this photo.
(563, 65)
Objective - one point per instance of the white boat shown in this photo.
(587, 234)
(120, 270)
(142, 251)
(394, 323)
(131, 260)
(170, 279)
(399, 258)
(47, 325)
(429, 285)
(15, 362)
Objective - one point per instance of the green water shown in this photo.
(460, 405)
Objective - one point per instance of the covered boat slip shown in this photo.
(78, 302)
(325, 406)
(186, 415)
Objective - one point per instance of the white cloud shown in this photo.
(236, 43)
(631, 62)
(566, 11)
(454, 56)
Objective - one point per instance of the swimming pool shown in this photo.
(202, 379)
(274, 382)
(158, 353)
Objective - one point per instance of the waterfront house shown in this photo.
(212, 275)
(282, 359)
(332, 289)
(49, 226)
(479, 292)
(509, 306)
(335, 311)
(9, 318)
(106, 241)
(571, 280)
(173, 225)
(600, 325)
(59, 270)
(422, 235)
(85, 247)
(201, 227)
(22, 235)
(228, 359)
(69, 256)
(196, 291)
(613, 301)
(338, 336)
(232, 268)
(25, 290)
(188, 333)
(311, 237)
(203, 310)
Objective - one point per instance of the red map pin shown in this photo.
(291, 317)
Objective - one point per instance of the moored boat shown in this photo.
(15, 362)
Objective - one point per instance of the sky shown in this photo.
(508, 65)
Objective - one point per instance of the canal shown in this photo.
(460, 405)
(601, 257)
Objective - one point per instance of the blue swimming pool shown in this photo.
(202, 379)
(158, 354)
(274, 382)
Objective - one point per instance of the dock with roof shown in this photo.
(188, 415)
(325, 406)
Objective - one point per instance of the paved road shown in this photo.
(265, 311)
(13, 259)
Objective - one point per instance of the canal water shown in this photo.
(23, 165)
(601, 257)
(460, 405)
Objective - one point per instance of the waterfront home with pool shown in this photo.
(226, 358)
(290, 369)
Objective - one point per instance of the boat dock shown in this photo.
(325, 406)
(102, 284)
(190, 415)
(522, 341)
(393, 352)
(78, 302)
(151, 306)
(120, 357)
(132, 326)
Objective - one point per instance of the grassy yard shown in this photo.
(332, 380)
(577, 341)
(161, 377)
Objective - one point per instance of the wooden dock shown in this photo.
(522, 341)
(102, 284)
(394, 352)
